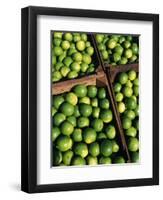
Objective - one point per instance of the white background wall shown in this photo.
(10, 80)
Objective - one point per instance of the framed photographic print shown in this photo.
(90, 99)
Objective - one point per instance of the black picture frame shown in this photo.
(29, 98)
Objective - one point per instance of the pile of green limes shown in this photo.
(118, 49)
(83, 130)
(71, 56)
(126, 90)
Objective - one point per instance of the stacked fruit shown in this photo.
(118, 49)
(126, 90)
(83, 130)
(71, 56)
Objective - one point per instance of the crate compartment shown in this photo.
(116, 49)
(99, 80)
(130, 112)
(65, 66)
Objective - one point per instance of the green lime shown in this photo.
(87, 44)
(76, 111)
(83, 36)
(53, 111)
(72, 120)
(105, 55)
(116, 57)
(72, 74)
(77, 135)
(131, 132)
(95, 112)
(97, 124)
(92, 91)
(57, 101)
(115, 146)
(54, 60)
(57, 35)
(67, 157)
(104, 103)
(65, 45)
(101, 47)
(118, 50)
(129, 38)
(123, 61)
(67, 109)
(87, 59)
(92, 160)
(135, 157)
(58, 66)
(101, 93)
(106, 147)
(76, 38)
(57, 41)
(58, 51)
(71, 98)
(121, 39)
(133, 144)
(85, 109)
(123, 78)
(84, 67)
(115, 37)
(132, 75)
(89, 135)
(81, 149)
(90, 50)
(110, 131)
(129, 84)
(80, 90)
(136, 82)
(56, 76)
(133, 58)
(127, 91)
(64, 143)
(121, 107)
(119, 97)
(130, 103)
(106, 116)
(83, 122)
(80, 45)
(94, 102)
(57, 157)
(130, 114)
(99, 38)
(59, 118)
(128, 53)
(119, 159)
(126, 123)
(64, 71)
(94, 149)
(136, 110)
(136, 90)
(117, 87)
(67, 128)
(101, 136)
(68, 37)
(78, 160)
(135, 48)
(112, 44)
(67, 61)
(55, 133)
(75, 66)
(105, 160)
(126, 44)
(85, 100)
(77, 57)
